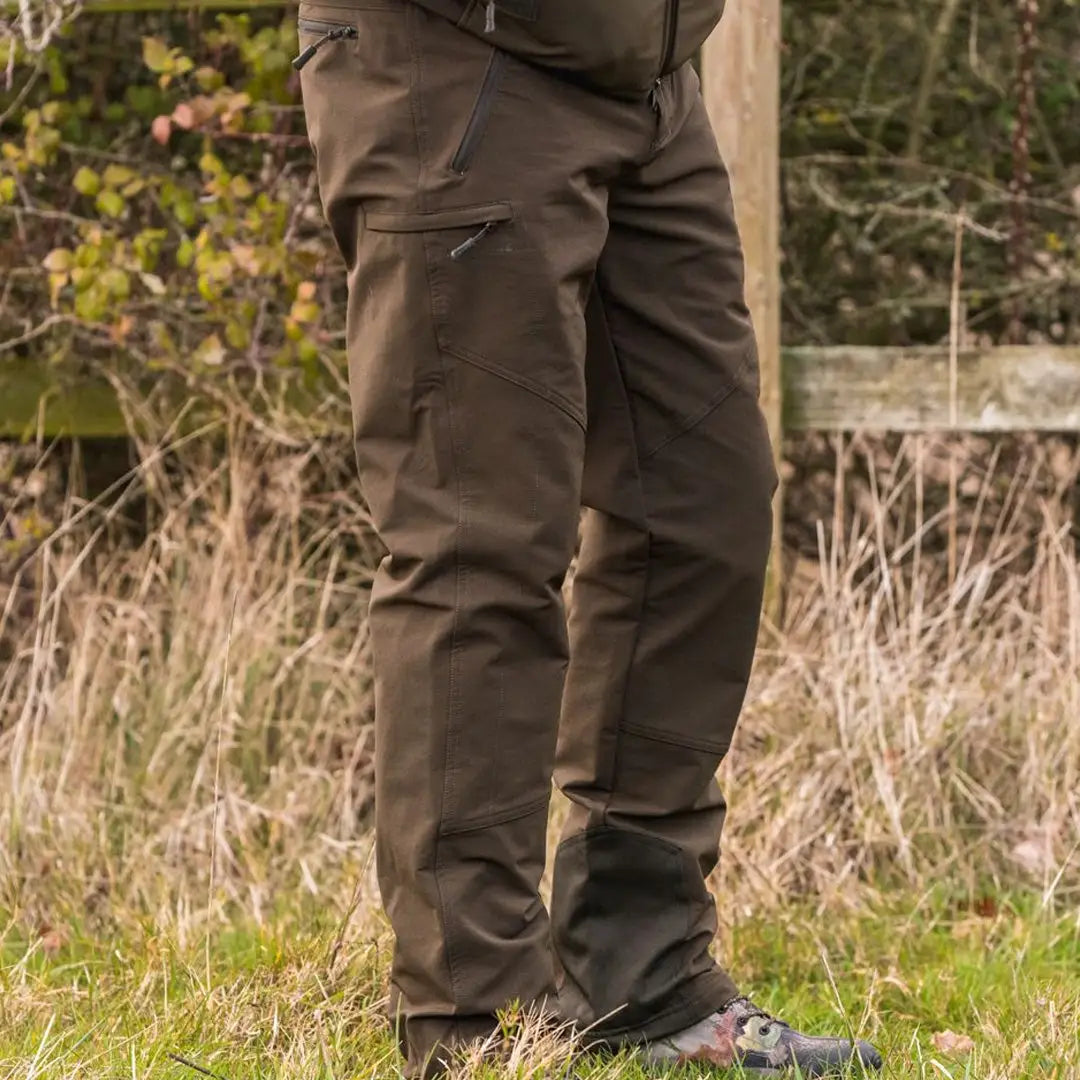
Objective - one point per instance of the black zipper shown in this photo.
(481, 113)
(671, 25)
(329, 31)
(317, 26)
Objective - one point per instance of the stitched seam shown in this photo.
(644, 591)
(416, 108)
(486, 822)
(429, 220)
(616, 830)
(682, 742)
(416, 101)
(534, 388)
(710, 406)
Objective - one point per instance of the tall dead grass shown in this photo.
(189, 706)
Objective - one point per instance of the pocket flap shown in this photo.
(458, 217)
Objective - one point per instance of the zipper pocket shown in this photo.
(329, 32)
(481, 113)
(317, 26)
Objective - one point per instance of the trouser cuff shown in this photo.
(705, 994)
(430, 1044)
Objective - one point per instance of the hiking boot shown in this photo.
(744, 1035)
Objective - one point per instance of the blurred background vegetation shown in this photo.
(159, 220)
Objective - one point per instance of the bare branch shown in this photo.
(35, 23)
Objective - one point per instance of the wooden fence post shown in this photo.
(740, 75)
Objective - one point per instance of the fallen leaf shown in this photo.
(949, 1042)
(53, 939)
(1034, 855)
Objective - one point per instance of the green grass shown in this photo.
(300, 998)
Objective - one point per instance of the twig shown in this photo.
(41, 328)
(856, 210)
(931, 67)
(954, 409)
(995, 192)
(1027, 10)
(290, 232)
(256, 136)
(20, 97)
(19, 212)
(196, 1066)
(217, 782)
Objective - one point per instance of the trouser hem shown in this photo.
(434, 1043)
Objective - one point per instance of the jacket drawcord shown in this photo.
(489, 18)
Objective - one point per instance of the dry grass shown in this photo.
(185, 734)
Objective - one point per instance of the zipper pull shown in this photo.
(489, 18)
(333, 35)
(463, 249)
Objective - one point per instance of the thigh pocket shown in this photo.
(494, 300)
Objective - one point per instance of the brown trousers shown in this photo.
(545, 310)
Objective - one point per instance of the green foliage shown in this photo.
(161, 215)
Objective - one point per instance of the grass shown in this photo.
(185, 774)
(295, 997)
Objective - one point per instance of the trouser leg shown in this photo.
(666, 602)
(467, 194)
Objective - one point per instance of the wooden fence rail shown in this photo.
(1023, 388)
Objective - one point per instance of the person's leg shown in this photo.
(679, 476)
(467, 192)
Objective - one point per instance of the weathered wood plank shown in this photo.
(740, 78)
(1008, 388)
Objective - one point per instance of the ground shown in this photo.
(302, 995)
